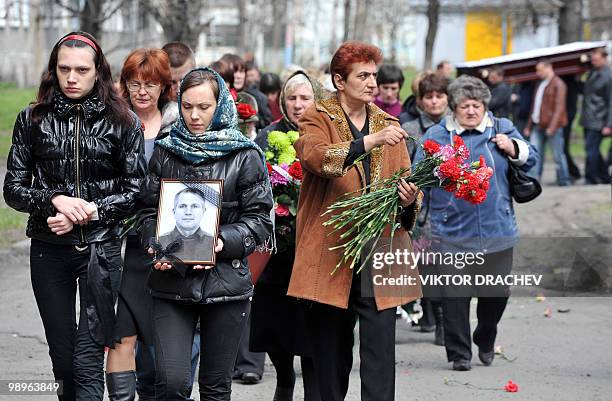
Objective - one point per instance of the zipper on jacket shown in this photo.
(77, 157)
(478, 206)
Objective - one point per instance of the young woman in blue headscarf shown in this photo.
(205, 143)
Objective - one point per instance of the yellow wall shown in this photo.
(586, 31)
(483, 35)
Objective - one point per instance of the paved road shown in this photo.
(564, 357)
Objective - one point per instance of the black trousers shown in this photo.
(429, 306)
(491, 306)
(596, 169)
(174, 325)
(285, 374)
(457, 325)
(145, 371)
(77, 359)
(332, 328)
(247, 361)
(571, 165)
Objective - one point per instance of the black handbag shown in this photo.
(523, 188)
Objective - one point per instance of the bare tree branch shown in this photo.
(535, 19)
(347, 20)
(154, 11)
(121, 45)
(73, 10)
(181, 20)
(112, 11)
(77, 12)
(555, 3)
(433, 12)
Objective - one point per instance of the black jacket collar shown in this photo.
(90, 104)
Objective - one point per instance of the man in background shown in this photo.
(597, 116)
(547, 119)
(182, 60)
(445, 68)
(253, 76)
(500, 93)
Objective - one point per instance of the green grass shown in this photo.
(601, 208)
(409, 74)
(5, 144)
(12, 101)
(577, 146)
(12, 226)
(10, 218)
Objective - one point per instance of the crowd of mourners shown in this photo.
(93, 150)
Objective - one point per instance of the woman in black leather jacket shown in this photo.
(205, 143)
(75, 166)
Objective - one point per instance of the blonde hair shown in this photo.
(295, 81)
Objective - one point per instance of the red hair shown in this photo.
(150, 65)
(350, 53)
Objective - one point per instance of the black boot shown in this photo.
(283, 394)
(121, 385)
(439, 335)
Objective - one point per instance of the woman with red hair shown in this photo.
(334, 133)
(146, 83)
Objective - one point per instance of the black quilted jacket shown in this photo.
(245, 223)
(76, 151)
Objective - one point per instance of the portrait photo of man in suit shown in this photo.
(189, 209)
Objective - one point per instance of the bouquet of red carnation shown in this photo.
(469, 182)
(364, 217)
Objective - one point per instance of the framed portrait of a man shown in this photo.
(188, 219)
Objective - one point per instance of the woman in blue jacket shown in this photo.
(488, 230)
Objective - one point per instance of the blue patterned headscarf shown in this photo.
(221, 138)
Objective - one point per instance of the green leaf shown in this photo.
(284, 199)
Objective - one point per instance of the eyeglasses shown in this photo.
(150, 87)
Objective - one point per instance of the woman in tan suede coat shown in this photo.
(333, 134)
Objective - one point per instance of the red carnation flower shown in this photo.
(451, 169)
(295, 171)
(460, 148)
(282, 210)
(511, 387)
(477, 196)
(451, 186)
(430, 147)
(467, 184)
(472, 188)
(458, 142)
(245, 110)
